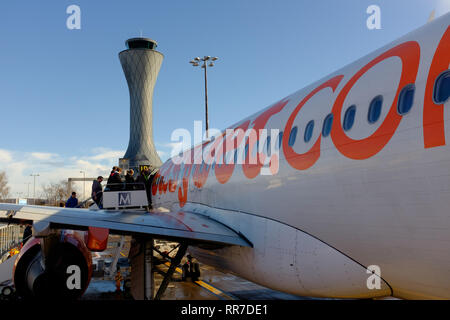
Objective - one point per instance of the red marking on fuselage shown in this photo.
(252, 167)
(409, 53)
(433, 114)
(433, 125)
(307, 159)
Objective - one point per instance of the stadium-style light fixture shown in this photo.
(195, 63)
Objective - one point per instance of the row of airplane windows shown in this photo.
(405, 102)
(404, 105)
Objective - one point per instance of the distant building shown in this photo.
(25, 201)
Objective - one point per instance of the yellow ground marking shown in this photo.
(209, 287)
(205, 285)
(176, 269)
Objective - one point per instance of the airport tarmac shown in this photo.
(212, 285)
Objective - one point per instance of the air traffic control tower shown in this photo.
(141, 64)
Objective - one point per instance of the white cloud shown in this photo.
(43, 155)
(172, 147)
(5, 156)
(108, 155)
(53, 168)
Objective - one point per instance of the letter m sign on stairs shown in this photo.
(124, 198)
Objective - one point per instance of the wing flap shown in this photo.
(174, 225)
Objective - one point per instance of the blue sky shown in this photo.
(64, 99)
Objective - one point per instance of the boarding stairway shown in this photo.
(121, 196)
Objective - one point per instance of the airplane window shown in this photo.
(375, 109)
(442, 88)
(349, 118)
(309, 131)
(280, 139)
(406, 99)
(327, 123)
(293, 136)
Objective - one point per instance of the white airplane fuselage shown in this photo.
(377, 194)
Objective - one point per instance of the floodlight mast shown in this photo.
(195, 63)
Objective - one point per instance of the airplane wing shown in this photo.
(180, 225)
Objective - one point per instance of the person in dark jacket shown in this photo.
(97, 191)
(129, 177)
(146, 179)
(115, 181)
(72, 202)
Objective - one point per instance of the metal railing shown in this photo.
(124, 186)
(10, 237)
